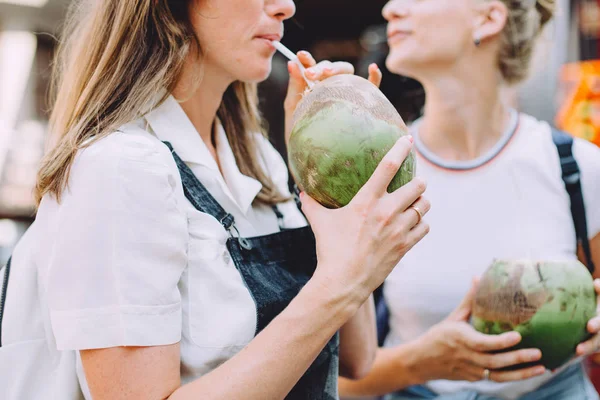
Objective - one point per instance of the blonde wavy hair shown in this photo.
(526, 20)
(113, 56)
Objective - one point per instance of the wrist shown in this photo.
(413, 362)
(333, 293)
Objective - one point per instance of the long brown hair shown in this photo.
(113, 57)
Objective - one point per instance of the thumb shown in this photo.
(463, 311)
(311, 208)
(375, 75)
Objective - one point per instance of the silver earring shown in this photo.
(477, 41)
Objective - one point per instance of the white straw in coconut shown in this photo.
(291, 56)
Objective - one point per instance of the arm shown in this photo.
(394, 369)
(267, 368)
(451, 350)
(358, 342)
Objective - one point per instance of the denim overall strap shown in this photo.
(202, 200)
(274, 268)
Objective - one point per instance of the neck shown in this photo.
(465, 114)
(202, 104)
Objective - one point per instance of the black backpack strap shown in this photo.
(571, 176)
(4, 289)
(382, 313)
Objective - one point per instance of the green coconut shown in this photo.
(342, 129)
(548, 303)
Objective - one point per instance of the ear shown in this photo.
(491, 19)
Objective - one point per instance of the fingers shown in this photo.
(310, 207)
(377, 185)
(326, 69)
(375, 75)
(414, 214)
(480, 342)
(408, 194)
(590, 346)
(516, 375)
(416, 234)
(412, 224)
(314, 72)
(476, 373)
(297, 84)
(306, 59)
(507, 359)
(593, 325)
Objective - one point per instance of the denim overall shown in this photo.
(274, 268)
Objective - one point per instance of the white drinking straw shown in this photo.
(291, 56)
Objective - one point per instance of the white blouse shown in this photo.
(511, 203)
(125, 259)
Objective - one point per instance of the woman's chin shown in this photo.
(394, 63)
(399, 65)
(255, 74)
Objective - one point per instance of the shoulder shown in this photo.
(129, 149)
(120, 167)
(538, 135)
(587, 155)
(538, 144)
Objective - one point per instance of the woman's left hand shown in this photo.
(593, 344)
(315, 72)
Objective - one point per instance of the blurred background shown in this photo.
(564, 87)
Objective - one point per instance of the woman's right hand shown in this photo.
(360, 244)
(454, 350)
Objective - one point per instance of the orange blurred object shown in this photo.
(579, 113)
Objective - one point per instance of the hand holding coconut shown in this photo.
(552, 304)
(370, 212)
(359, 245)
(454, 350)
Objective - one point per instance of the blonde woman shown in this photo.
(495, 177)
(172, 260)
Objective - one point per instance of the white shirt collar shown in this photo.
(243, 188)
(170, 123)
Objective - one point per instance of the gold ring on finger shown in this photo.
(419, 213)
(486, 374)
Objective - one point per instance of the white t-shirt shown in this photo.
(126, 260)
(510, 203)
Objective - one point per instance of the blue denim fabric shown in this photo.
(275, 268)
(571, 384)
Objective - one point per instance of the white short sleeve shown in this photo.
(588, 158)
(120, 249)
